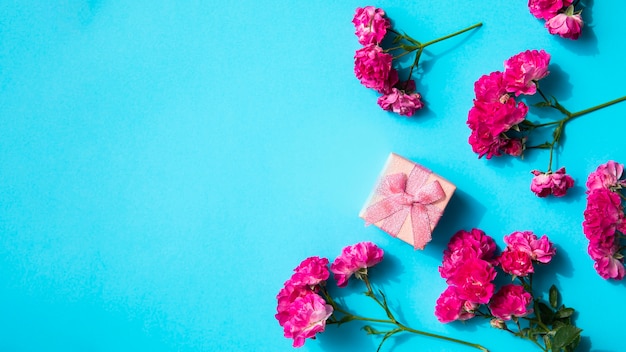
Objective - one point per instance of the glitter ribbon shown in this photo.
(404, 196)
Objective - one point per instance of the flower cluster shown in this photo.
(301, 311)
(560, 16)
(375, 67)
(469, 268)
(305, 305)
(499, 124)
(604, 222)
(495, 117)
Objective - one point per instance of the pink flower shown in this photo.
(371, 25)
(606, 176)
(400, 102)
(546, 9)
(566, 25)
(450, 307)
(610, 267)
(521, 71)
(511, 300)
(489, 121)
(465, 245)
(514, 146)
(539, 249)
(307, 317)
(473, 280)
(603, 216)
(516, 263)
(355, 260)
(551, 183)
(312, 271)
(372, 66)
(490, 88)
(285, 297)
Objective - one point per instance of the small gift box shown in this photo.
(408, 201)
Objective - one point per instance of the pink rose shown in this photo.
(355, 260)
(490, 88)
(606, 176)
(521, 71)
(610, 267)
(516, 263)
(511, 300)
(465, 245)
(473, 280)
(312, 271)
(489, 121)
(308, 315)
(372, 66)
(609, 263)
(285, 297)
(546, 9)
(551, 183)
(450, 307)
(603, 216)
(567, 26)
(539, 249)
(370, 24)
(514, 146)
(400, 102)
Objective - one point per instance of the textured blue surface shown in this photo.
(164, 165)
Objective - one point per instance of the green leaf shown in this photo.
(345, 319)
(564, 313)
(371, 331)
(409, 47)
(565, 336)
(554, 296)
(542, 104)
(547, 314)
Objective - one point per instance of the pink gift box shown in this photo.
(408, 201)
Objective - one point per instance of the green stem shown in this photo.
(449, 339)
(451, 35)
(597, 107)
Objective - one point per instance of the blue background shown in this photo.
(164, 165)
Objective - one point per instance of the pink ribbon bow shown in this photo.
(404, 196)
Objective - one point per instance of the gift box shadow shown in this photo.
(462, 213)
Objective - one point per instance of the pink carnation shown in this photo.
(551, 183)
(489, 121)
(355, 260)
(450, 307)
(516, 263)
(539, 249)
(372, 66)
(603, 216)
(307, 317)
(474, 280)
(465, 245)
(312, 271)
(490, 88)
(606, 176)
(511, 300)
(513, 146)
(285, 297)
(609, 263)
(521, 71)
(400, 102)
(567, 26)
(370, 24)
(546, 9)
